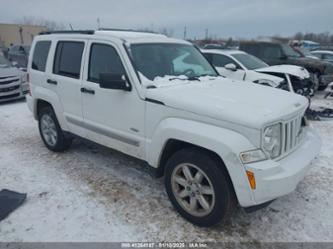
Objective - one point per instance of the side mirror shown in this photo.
(231, 67)
(114, 81)
(14, 64)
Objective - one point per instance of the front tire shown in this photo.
(199, 187)
(51, 132)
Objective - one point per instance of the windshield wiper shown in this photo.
(191, 78)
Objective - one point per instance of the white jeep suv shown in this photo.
(217, 142)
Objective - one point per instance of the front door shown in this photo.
(114, 118)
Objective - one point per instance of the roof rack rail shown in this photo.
(86, 32)
(127, 30)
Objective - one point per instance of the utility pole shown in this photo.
(185, 32)
(98, 23)
(21, 35)
(206, 34)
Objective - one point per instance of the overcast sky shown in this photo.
(224, 18)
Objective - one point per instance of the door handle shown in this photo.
(52, 82)
(89, 91)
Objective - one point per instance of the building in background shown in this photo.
(18, 34)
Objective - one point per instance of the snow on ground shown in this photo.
(92, 193)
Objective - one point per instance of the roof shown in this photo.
(223, 51)
(123, 35)
(260, 42)
(322, 52)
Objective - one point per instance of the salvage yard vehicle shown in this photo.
(19, 54)
(239, 65)
(323, 55)
(13, 82)
(217, 142)
(274, 53)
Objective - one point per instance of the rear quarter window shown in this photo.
(251, 49)
(40, 55)
(67, 59)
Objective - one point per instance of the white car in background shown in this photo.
(324, 55)
(239, 65)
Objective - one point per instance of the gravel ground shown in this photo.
(92, 193)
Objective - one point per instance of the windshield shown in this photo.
(164, 59)
(3, 61)
(289, 51)
(250, 62)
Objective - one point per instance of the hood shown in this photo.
(311, 64)
(254, 76)
(10, 72)
(232, 101)
(297, 71)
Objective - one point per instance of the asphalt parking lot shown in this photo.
(92, 193)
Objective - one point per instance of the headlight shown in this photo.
(272, 140)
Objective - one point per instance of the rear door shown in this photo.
(65, 79)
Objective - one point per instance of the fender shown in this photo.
(225, 143)
(41, 93)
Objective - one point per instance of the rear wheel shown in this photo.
(50, 131)
(199, 187)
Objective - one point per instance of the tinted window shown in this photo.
(103, 59)
(251, 49)
(328, 56)
(249, 61)
(41, 52)
(271, 51)
(221, 60)
(14, 48)
(68, 57)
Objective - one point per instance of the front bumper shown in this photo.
(278, 178)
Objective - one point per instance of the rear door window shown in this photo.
(251, 49)
(40, 55)
(271, 51)
(68, 58)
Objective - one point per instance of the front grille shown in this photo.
(9, 96)
(8, 81)
(292, 134)
(9, 89)
(1, 78)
